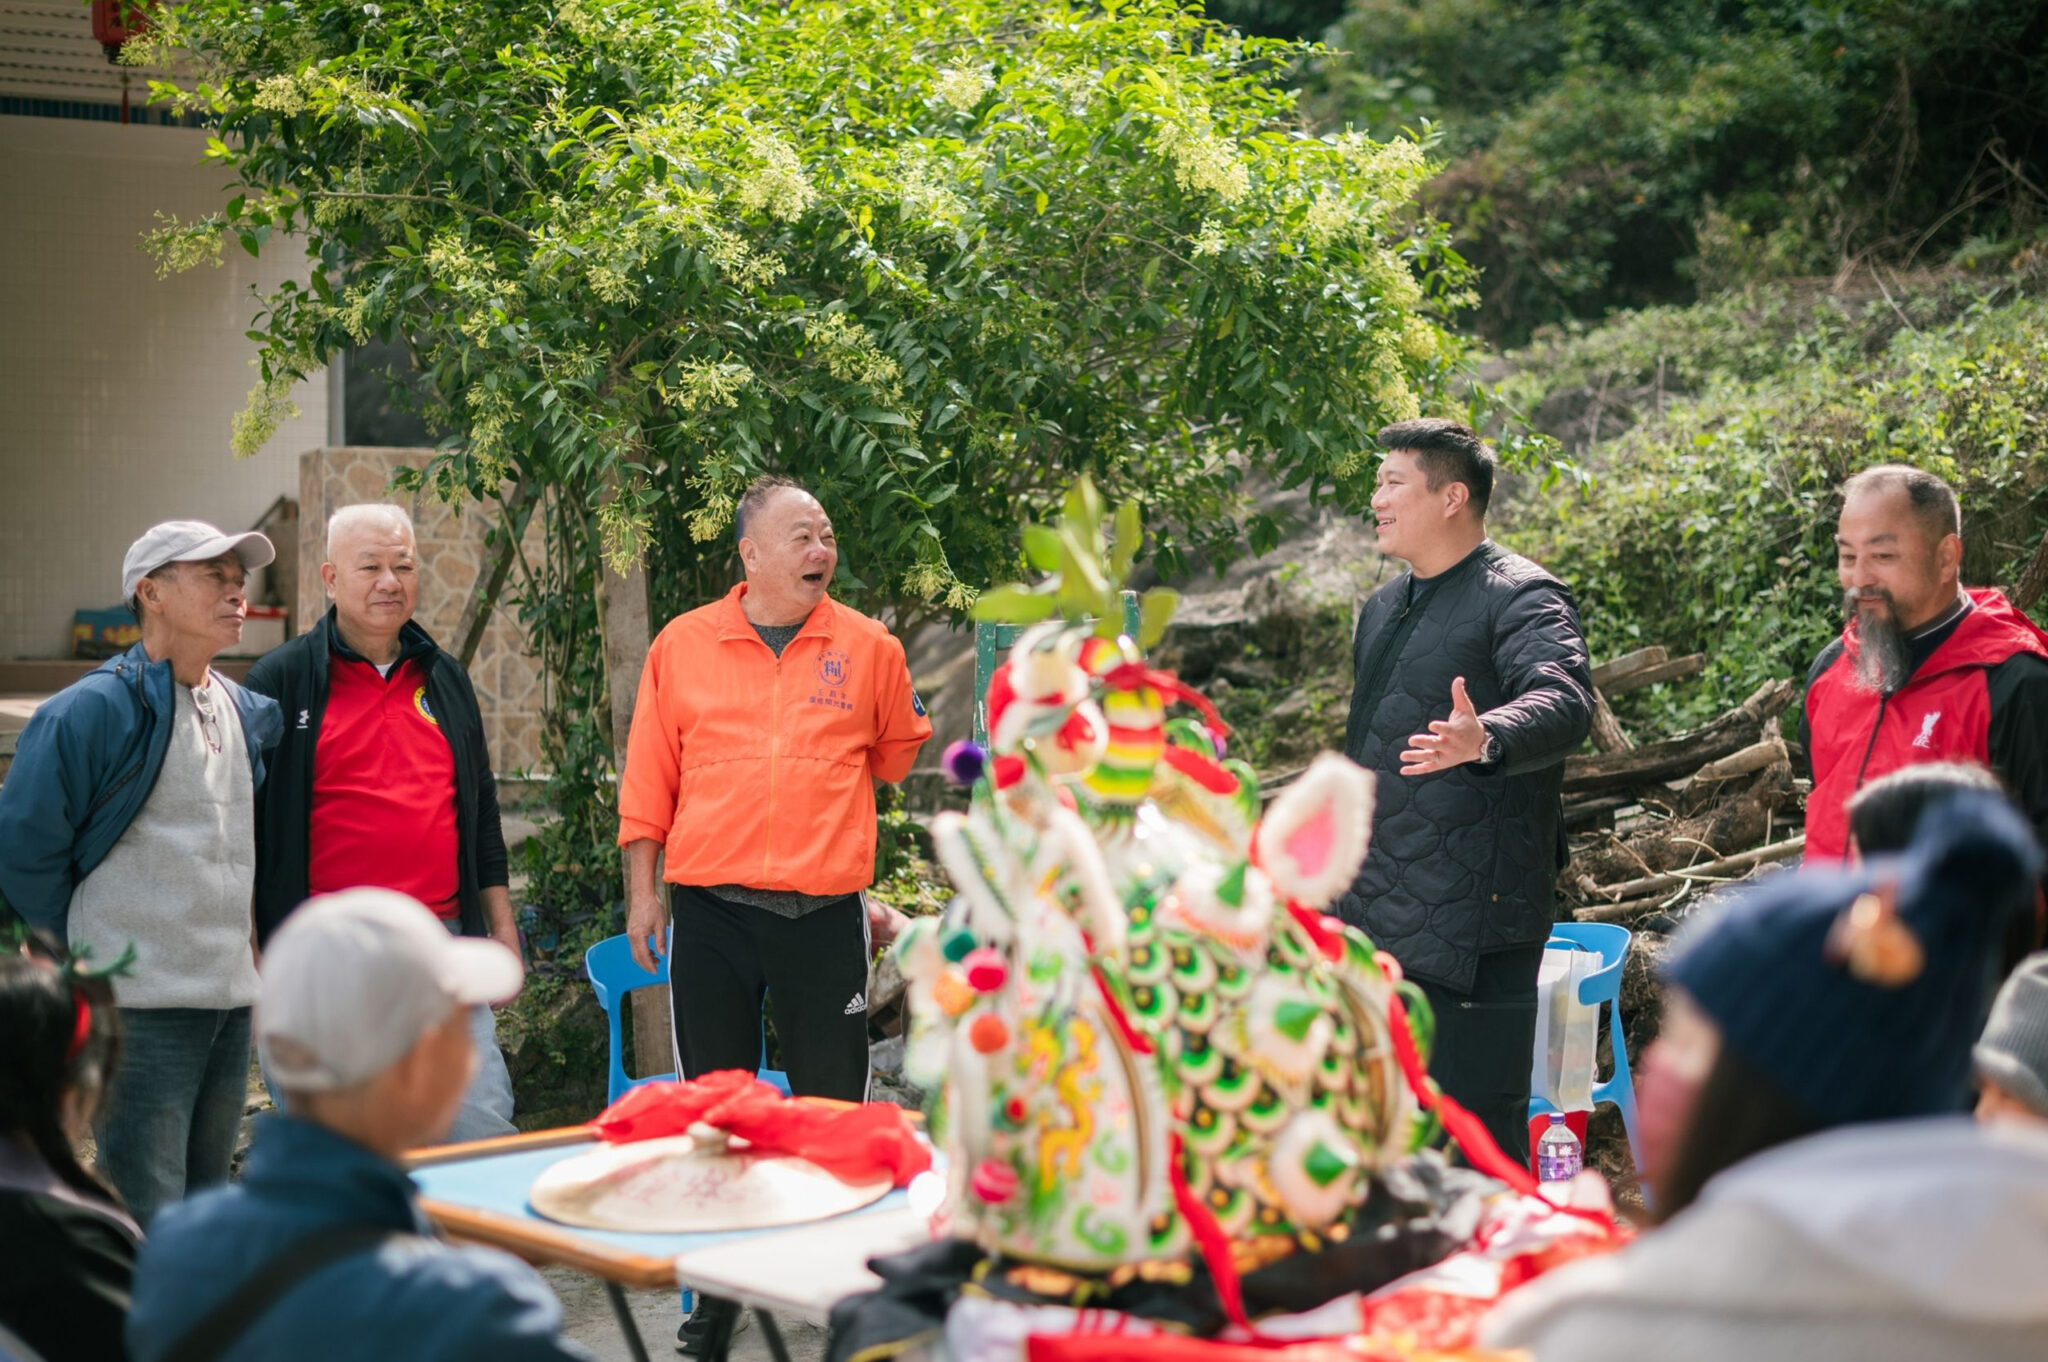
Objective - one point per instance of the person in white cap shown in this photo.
(321, 1250)
(127, 821)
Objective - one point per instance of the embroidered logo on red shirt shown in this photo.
(419, 702)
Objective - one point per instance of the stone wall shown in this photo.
(508, 679)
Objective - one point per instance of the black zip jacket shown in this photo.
(1465, 861)
(295, 675)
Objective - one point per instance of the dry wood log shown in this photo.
(1582, 813)
(1677, 667)
(1748, 761)
(1605, 674)
(1682, 755)
(1620, 912)
(1608, 734)
(1711, 870)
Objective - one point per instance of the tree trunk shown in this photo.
(622, 614)
(1608, 734)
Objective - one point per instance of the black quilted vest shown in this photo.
(1465, 861)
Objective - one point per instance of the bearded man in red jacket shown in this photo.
(1926, 669)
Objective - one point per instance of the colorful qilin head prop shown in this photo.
(1144, 1037)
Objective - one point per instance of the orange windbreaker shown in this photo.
(757, 770)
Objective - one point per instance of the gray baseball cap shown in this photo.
(2014, 1050)
(189, 541)
(352, 980)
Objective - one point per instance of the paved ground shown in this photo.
(588, 1318)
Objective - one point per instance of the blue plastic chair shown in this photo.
(1611, 943)
(613, 974)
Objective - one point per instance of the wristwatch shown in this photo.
(1489, 750)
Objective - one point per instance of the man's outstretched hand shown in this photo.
(1449, 742)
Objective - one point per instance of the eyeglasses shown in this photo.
(209, 719)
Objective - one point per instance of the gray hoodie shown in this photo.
(1907, 1240)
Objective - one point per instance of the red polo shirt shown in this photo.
(384, 788)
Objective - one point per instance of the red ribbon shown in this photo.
(851, 1141)
(1322, 933)
(1199, 769)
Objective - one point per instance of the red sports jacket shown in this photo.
(1942, 714)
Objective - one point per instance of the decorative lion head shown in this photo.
(1141, 1031)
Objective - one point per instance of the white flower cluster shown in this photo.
(283, 95)
(928, 580)
(852, 356)
(269, 406)
(1203, 161)
(490, 412)
(180, 246)
(610, 285)
(777, 185)
(715, 505)
(962, 87)
(923, 195)
(1208, 241)
(703, 384)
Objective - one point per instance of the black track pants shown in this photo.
(1486, 1044)
(724, 956)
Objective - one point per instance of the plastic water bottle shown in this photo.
(1559, 1156)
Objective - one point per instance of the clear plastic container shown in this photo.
(1559, 1155)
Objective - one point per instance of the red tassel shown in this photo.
(1137, 676)
(1209, 1237)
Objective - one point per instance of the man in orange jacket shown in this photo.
(763, 721)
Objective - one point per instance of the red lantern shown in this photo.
(114, 22)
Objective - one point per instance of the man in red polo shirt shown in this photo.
(383, 777)
(1925, 670)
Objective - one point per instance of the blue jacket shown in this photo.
(421, 1299)
(82, 769)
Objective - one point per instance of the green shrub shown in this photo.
(1626, 152)
(1710, 528)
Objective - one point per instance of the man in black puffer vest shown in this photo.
(1472, 688)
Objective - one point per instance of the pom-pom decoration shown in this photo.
(964, 762)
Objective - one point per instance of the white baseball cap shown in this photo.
(353, 980)
(189, 541)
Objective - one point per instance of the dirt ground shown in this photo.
(588, 1319)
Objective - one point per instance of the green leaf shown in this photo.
(1155, 612)
(1042, 548)
(1129, 534)
(1013, 605)
(1084, 509)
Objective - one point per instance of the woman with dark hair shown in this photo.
(67, 1247)
(1819, 1195)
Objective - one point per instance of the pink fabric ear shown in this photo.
(1310, 844)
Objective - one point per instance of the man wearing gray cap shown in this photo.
(364, 1022)
(2012, 1057)
(128, 821)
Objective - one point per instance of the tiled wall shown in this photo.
(116, 388)
(508, 681)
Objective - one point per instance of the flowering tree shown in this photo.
(934, 259)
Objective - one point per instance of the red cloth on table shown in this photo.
(850, 1142)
